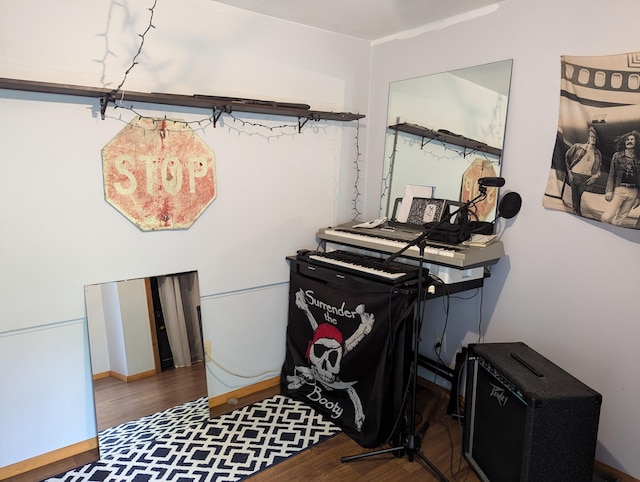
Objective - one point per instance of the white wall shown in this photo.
(136, 326)
(116, 349)
(256, 321)
(96, 327)
(275, 187)
(568, 287)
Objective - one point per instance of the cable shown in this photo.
(480, 334)
(454, 471)
(447, 302)
(208, 357)
(404, 315)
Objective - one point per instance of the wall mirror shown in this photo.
(444, 131)
(145, 339)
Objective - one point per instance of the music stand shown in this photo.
(413, 440)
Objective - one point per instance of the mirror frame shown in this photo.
(426, 132)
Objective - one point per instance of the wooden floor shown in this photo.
(441, 446)
(118, 402)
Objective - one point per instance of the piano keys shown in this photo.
(356, 274)
(363, 265)
(386, 240)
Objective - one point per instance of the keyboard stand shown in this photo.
(411, 441)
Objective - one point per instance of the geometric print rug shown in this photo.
(182, 444)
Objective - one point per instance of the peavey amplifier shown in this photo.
(526, 419)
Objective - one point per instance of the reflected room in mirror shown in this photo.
(444, 132)
(146, 346)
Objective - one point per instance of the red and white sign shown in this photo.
(159, 174)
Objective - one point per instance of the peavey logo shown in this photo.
(498, 393)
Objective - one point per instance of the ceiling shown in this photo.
(367, 19)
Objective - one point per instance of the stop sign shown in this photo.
(159, 174)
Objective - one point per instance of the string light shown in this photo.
(386, 179)
(356, 186)
(203, 122)
(451, 153)
(214, 118)
(134, 62)
(209, 120)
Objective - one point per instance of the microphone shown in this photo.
(491, 181)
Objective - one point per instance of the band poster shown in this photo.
(595, 168)
(346, 355)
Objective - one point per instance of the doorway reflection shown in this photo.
(146, 346)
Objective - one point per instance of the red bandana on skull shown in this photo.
(325, 330)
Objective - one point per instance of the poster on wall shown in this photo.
(159, 174)
(595, 167)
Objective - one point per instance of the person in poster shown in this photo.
(599, 94)
(583, 167)
(623, 182)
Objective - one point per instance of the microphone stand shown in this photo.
(413, 440)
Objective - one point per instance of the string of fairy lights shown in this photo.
(117, 95)
(134, 62)
(444, 152)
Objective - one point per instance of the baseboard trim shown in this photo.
(47, 465)
(124, 378)
(132, 378)
(244, 391)
(607, 470)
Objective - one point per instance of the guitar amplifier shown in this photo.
(526, 419)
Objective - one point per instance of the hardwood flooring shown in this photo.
(118, 402)
(441, 445)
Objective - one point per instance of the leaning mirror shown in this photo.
(444, 132)
(146, 346)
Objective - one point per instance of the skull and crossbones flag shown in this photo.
(346, 354)
(595, 168)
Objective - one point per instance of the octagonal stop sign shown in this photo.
(159, 174)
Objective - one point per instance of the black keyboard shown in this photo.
(363, 265)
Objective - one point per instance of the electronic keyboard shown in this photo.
(392, 240)
(363, 265)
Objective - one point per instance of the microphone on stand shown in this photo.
(483, 184)
(491, 181)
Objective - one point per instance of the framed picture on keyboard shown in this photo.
(425, 210)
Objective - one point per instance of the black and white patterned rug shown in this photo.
(183, 445)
